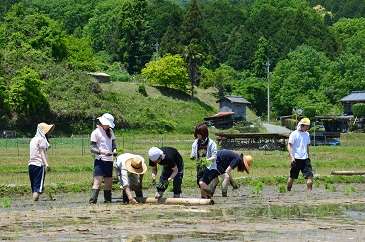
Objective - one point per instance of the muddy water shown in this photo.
(322, 215)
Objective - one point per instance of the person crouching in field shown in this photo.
(103, 145)
(204, 152)
(130, 169)
(38, 164)
(227, 161)
(298, 148)
(172, 169)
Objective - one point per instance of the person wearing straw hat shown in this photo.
(172, 169)
(38, 164)
(298, 148)
(103, 145)
(227, 161)
(130, 169)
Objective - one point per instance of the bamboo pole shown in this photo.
(186, 201)
(347, 173)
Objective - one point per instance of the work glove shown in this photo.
(48, 168)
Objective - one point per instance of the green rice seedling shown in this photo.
(349, 190)
(326, 185)
(282, 188)
(333, 188)
(258, 187)
(50, 196)
(6, 202)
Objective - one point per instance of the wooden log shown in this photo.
(347, 173)
(186, 201)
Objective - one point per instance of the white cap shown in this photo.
(154, 153)
(107, 119)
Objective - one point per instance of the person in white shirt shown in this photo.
(102, 144)
(298, 148)
(130, 169)
(38, 164)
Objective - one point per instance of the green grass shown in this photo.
(72, 170)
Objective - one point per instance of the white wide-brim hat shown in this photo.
(107, 119)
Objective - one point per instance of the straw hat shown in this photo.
(247, 161)
(135, 165)
(47, 128)
(107, 119)
(305, 121)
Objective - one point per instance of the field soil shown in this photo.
(331, 213)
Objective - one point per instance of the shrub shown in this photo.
(142, 90)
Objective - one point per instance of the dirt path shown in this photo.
(323, 215)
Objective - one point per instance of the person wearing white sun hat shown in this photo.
(38, 164)
(172, 169)
(103, 145)
(298, 148)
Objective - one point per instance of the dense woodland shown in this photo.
(314, 51)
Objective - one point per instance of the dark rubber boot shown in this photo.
(107, 196)
(125, 197)
(139, 194)
(94, 196)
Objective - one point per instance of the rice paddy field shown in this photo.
(259, 210)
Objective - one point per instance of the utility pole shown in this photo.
(267, 64)
(156, 45)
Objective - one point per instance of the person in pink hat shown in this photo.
(103, 145)
(38, 164)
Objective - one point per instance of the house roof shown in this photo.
(234, 99)
(355, 96)
(219, 115)
(97, 74)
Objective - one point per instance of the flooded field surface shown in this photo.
(335, 213)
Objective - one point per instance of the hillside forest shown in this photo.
(308, 53)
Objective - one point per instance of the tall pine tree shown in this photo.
(191, 30)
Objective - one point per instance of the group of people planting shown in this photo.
(211, 163)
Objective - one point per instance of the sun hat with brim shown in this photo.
(107, 119)
(47, 128)
(135, 165)
(305, 121)
(247, 161)
(154, 153)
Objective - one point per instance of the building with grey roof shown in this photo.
(351, 99)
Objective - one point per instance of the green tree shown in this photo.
(261, 57)
(191, 29)
(74, 14)
(169, 42)
(297, 81)
(219, 18)
(358, 109)
(80, 55)
(193, 58)
(36, 31)
(168, 71)
(26, 98)
(163, 14)
(254, 90)
(4, 106)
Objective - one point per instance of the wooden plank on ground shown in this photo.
(187, 201)
(347, 173)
